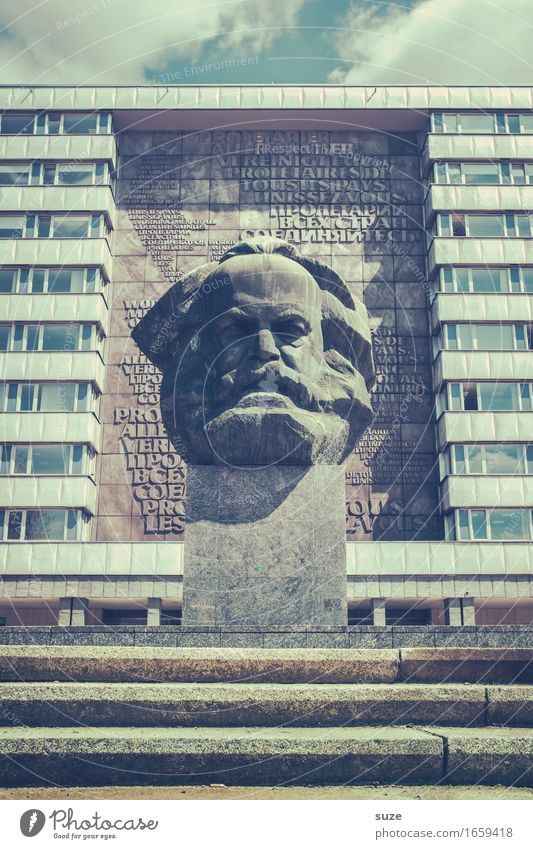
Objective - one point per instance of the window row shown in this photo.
(47, 397)
(482, 122)
(30, 226)
(483, 173)
(37, 281)
(492, 458)
(42, 459)
(479, 226)
(55, 123)
(488, 336)
(55, 174)
(513, 278)
(51, 525)
(497, 525)
(502, 395)
(45, 336)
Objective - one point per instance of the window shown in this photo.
(80, 123)
(490, 459)
(482, 122)
(511, 525)
(485, 337)
(46, 459)
(12, 226)
(488, 226)
(54, 280)
(486, 396)
(121, 616)
(71, 227)
(17, 123)
(41, 525)
(49, 337)
(46, 397)
(483, 173)
(14, 174)
(476, 122)
(53, 226)
(486, 280)
(56, 174)
(497, 396)
(52, 123)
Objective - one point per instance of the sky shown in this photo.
(343, 42)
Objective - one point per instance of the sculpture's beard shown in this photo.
(271, 415)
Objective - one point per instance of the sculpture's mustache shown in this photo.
(268, 378)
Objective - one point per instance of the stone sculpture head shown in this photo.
(266, 359)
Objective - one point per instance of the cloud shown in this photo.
(436, 42)
(75, 42)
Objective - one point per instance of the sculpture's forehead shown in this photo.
(263, 279)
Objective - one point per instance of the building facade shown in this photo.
(421, 198)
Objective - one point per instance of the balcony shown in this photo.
(92, 558)
(482, 365)
(439, 558)
(58, 252)
(480, 426)
(463, 251)
(486, 491)
(462, 147)
(83, 428)
(50, 307)
(52, 491)
(476, 198)
(451, 306)
(65, 199)
(37, 366)
(57, 148)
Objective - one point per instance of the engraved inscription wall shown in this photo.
(354, 200)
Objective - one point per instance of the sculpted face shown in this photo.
(262, 336)
(261, 363)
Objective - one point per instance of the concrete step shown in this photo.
(265, 756)
(290, 792)
(335, 666)
(211, 705)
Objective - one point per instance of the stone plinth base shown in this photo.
(265, 546)
(507, 637)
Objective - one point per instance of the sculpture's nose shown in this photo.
(266, 348)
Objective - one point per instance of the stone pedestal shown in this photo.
(265, 546)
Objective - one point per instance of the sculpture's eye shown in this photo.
(235, 331)
(291, 331)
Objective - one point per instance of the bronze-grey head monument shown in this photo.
(267, 368)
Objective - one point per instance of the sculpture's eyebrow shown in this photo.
(234, 312)
(283, 312)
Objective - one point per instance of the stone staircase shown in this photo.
(103, 716)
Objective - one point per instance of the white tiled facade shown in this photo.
(476, 162)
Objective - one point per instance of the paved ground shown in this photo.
(281, 793)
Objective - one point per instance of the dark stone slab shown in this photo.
(285, 640)
(155, 639)
(317, 640)
(371, 641)
(249, 640)
(192, 640)
(354, 636)
(462, 640)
